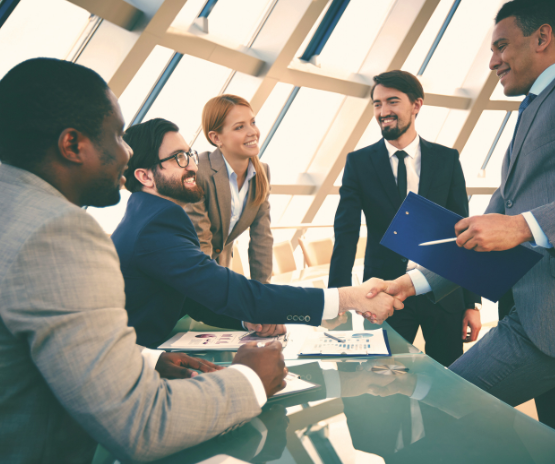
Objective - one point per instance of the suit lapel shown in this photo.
(248, 215)
(428, 168)
(528, 118)
(380, 159)
(223, 191)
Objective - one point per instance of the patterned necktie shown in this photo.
(525, 103)
(401, 174)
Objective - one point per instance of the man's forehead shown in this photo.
(172, 142)
(505, 29)
(382, 92)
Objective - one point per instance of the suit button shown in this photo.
(307, 318)
(288, 317)
(295, 318)
(301, 318)
(404, 260)
(509, 204)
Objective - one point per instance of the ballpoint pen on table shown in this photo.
(340, 340)
(436, 242)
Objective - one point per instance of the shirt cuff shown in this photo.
(254, 380)
(151, 356)
(331, 303)
(420, 283)
(540, 238)
(332, 383)
(423, 385)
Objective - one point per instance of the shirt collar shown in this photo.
(410, 149)
(250, 170)
(544, 79)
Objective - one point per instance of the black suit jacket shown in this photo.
(369, 185)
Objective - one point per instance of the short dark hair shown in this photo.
(530, 15)
(145, 140)
(42, 97)
(400, 80)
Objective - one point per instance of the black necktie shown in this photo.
(401, 174)
(525, 103)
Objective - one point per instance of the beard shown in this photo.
(176, 189)
(104, 191)
(393, 133)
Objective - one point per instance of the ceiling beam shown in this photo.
(239, 58)
(118, 12)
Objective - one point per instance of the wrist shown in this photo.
(345, 300)
(523, 229)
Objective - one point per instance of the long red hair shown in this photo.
(213, 119)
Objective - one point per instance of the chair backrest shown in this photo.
(284, 260)
(317, 252)
(361, 248)
(236, 263)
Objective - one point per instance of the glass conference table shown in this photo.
(368, 410)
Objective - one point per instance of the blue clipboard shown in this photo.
(489, 275)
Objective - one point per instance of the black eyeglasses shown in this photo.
(182, 158)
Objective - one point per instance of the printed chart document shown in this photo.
(221, 341)
(353, 343)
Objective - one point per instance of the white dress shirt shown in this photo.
(238, 195)
(412, 162)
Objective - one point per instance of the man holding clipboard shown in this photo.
(516, 360)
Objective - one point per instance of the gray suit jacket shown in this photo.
(71, 374)
(211, 217)
(527, 184)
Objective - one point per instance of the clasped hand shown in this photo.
(370, 299)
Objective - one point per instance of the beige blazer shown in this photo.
(71, 374)
(211, 217)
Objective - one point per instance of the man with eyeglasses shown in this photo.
(166, 273)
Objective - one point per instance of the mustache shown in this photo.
(188, 174)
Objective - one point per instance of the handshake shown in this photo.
(376, 299)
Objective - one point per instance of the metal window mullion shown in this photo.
(157, 88)
(278, 120)
(325, 29)
(439, 37)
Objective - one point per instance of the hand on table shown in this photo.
(331, 324)
(266, 330)
(369, 297)
(267, 362)
(472, 319)
(174, 366)
(492, 232)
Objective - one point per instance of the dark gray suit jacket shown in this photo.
(528, 184)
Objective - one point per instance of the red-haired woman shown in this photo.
(236, 186)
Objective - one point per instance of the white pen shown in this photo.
(340, 340)
(435, 242)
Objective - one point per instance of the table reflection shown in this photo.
(400, 409)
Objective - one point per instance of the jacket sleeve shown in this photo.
(261, 242)
(202, 314)
(198, 214)
(72, 316)
(166, 250)
(346, 227)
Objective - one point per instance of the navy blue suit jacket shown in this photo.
(166, 274)
(369, 185)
